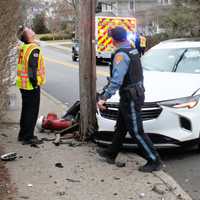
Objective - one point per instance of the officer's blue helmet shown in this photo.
(118, 33)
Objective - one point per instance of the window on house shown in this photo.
(165, 2)
(106, 7)
(109, 7)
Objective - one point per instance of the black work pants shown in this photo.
(29, 113)
(129, 119)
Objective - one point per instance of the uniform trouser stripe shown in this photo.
(136, 131)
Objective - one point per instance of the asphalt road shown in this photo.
(63, 83)
(63, 75)
(184, 166)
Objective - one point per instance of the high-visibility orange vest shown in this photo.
(143, 41)
(23, 81)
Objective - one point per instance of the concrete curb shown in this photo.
(172, 185)
(56, 101)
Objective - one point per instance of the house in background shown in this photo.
(147, 12)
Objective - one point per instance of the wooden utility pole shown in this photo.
(87, 67)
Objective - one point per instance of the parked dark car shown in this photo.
(75, 50)
(75, 54)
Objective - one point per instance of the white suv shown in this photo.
(171, 113)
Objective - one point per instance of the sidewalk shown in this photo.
(83, 176)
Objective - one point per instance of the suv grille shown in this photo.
(149, 111)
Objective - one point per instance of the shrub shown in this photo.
(56, 37)
(155, 39)
(39, 25)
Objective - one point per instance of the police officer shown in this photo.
(30, 76)
(127, 76)
(143, 44)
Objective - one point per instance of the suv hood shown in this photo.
(161, 86)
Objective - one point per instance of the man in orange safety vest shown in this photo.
(30, 76)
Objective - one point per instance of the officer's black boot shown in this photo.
(105, 154)
(151, 166)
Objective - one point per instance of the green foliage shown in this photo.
(183, 19)
(39, 25)
(56, 37)
(155, 39)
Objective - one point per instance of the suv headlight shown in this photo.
(185, 102)
(77, 49)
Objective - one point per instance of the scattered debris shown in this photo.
(34, 145)
(180, 197)
(24, 197)
(116, 178)
(186, 180)
(137, 163)
(30, 185)
(115, 194)
(73, 180)
(9, 156)
(171, 189)
(47, 139)
(61, 193)
(74, 144)
(102, 180)
(4, 135)
(141, 195)
(120, 164)
(59, 165)
(159, 188)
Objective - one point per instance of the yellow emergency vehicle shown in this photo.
(104, 47)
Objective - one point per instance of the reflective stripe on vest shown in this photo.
(142, 41)
(23, 81)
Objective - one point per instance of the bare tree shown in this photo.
(58, 16)
(75, 5)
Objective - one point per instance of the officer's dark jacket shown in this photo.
(134, 74)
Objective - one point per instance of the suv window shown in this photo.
(161, 59)
(190, 62)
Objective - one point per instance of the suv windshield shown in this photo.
(161, 59)
(168, 60)
(190, 63)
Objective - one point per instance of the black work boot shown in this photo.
(32, 141)
(20, 139)
(151, 166)
(108, 158)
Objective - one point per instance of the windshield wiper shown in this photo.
(179, 60)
